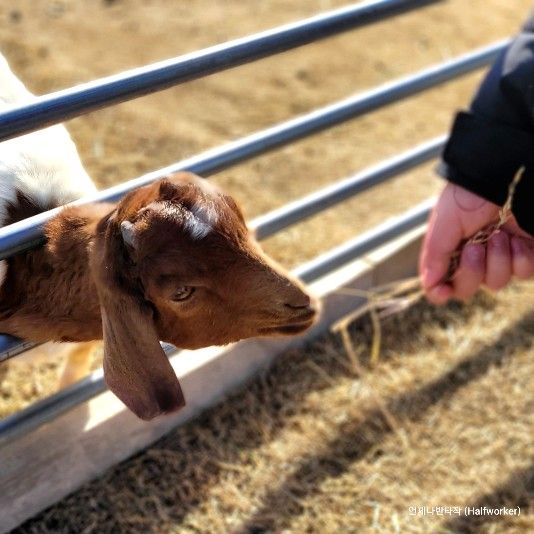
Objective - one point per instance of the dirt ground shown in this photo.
(305, 448)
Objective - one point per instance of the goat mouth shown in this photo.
(288, 329)
(306, 316)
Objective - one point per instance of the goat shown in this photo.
(172, 261)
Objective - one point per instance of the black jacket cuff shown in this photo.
(484, 156)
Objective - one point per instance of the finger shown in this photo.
(470, 273)
(522, 257)
(498, 261)
(441, 240)
(513, 228)
(439, 294)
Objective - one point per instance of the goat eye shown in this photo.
(182, 293)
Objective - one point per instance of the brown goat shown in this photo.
(172, 261)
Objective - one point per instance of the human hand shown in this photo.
(457, 216)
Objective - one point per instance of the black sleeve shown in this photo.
(489, 144)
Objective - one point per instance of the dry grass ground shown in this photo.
(306, 448)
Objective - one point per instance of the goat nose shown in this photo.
(303, 302)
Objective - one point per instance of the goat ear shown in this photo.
(135, 367)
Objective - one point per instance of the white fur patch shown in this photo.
(44, 166)
(197, 228)
(204, 218)
(205, 211)
(198, 221)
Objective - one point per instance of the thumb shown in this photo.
(443, 237)
(458, 215)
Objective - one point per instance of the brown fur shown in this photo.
(91, 281)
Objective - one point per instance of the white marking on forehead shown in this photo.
(203, 218)
(197, 228)
(205, 212)
(199, 220)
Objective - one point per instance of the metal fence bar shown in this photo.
(365, 242)
(51, 407)
(13, 346)
(47, 409)
(294, 212)
(25, 234)
(63, 105)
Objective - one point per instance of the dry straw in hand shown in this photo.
(389, 299)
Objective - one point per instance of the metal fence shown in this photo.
(63, 105)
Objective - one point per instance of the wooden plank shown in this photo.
(39, 469)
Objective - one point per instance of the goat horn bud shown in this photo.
(128, 234)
